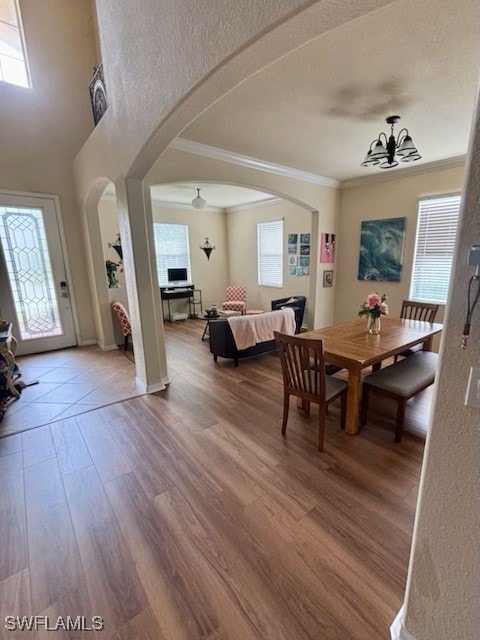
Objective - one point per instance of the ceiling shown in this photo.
(319, 108)
(220, 196)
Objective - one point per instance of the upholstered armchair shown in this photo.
(235, 299)
(122, 315)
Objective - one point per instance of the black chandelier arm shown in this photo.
(372, 144)
(399, 137)
(386, 139)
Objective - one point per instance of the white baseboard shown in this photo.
(397, 630)
(107, 347)
(87, 343)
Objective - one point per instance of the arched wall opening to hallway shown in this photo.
(230, 223)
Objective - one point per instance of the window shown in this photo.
(172, 249)
(432, 263)
(270, 253)
(13, 66)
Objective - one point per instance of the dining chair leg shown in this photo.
(286, 407)
(401, 409)
(125, 345)
(321, 426)
(343, 409)
(365, 401)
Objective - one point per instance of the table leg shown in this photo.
(353, 401)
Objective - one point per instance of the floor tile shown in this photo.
(33, 415)
(76, 409)
(68, 393)
(61, 374)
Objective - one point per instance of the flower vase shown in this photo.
(373, 324)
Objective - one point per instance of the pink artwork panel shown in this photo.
(327, 247)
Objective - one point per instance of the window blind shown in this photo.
(171, 248)
(270, 253)
(434, 246)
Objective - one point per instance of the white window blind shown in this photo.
(172, 249)
(270, 253)
(436, 233)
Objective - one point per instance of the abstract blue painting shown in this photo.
(381, 250)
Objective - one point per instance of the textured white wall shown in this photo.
(42, 129)
(443, 589)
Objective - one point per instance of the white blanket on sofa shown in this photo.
(250, 330)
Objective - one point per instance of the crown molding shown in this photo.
(428, 167)
(215, 153)
(254, 205)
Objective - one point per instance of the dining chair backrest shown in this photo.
(303, 367)
(424, 311)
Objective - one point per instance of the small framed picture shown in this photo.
(292, 271)
(292, 261)
(306, 271)
(328, 278)
(304, 249)
(299, 271)
(304, 261)
(292, 248)
(292, 238)
(304, 238)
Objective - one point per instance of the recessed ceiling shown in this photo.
(222, 196)
(319, 108)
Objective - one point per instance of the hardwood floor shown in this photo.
(185, 515)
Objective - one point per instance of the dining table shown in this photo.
(350, 346)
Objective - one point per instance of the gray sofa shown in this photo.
(222, 343)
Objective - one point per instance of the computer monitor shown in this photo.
(179, 275)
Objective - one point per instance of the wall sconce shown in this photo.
(207, 247)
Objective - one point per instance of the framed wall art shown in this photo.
(328, 278)
(381, 250)
(327, 247)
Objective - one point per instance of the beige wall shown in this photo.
(389, 199)
(321, 204)
(210, 276)
(42, 129)
(242, 251)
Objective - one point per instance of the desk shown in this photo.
(350, 346)
(175, 293)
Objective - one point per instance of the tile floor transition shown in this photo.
(71, 382)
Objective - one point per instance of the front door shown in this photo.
(34, 292)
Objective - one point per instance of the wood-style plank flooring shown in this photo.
(185, 515)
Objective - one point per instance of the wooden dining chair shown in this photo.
(422, 311)
(303, 370)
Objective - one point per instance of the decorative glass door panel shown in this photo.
(36, 297)
(29, 269)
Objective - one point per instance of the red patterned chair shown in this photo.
(235, 299)
(122, 315)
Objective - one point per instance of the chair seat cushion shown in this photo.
(334, 386)
(415, 349)
(408, 377)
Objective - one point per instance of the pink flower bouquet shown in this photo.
(374, 306)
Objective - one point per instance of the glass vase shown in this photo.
(373, 324)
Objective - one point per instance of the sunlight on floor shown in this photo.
(71, 381)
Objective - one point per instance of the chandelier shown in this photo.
(198, 202)
(383, 151)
